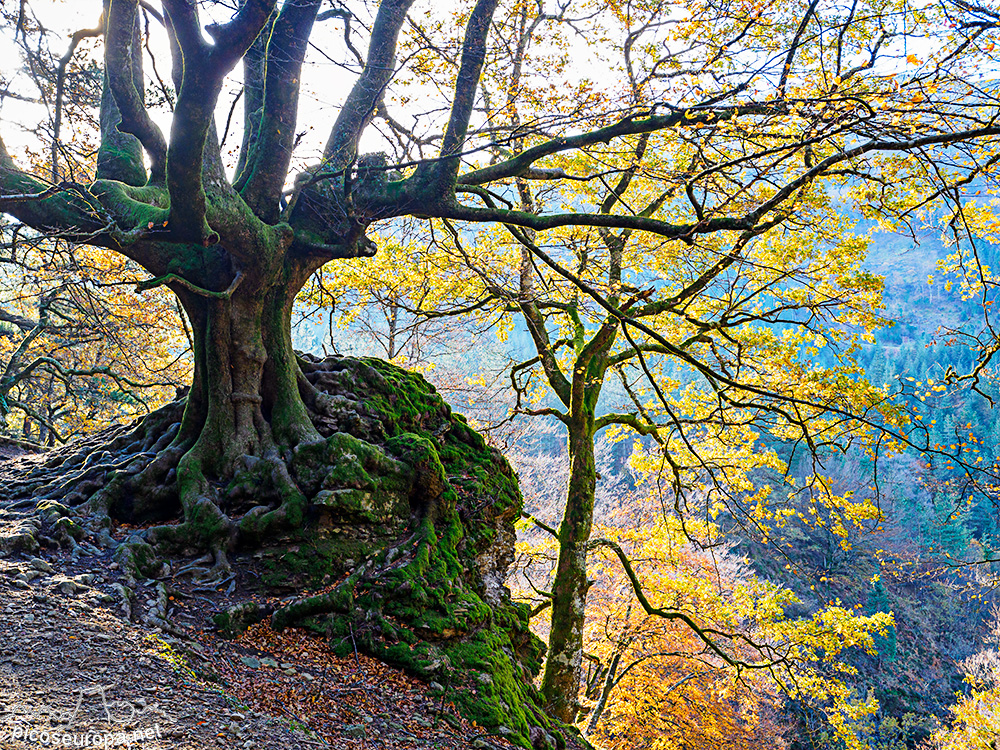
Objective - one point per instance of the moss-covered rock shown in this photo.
(391, 526)
(414, 514)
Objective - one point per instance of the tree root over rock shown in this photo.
(389, 508)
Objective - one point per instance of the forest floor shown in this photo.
(73, 662)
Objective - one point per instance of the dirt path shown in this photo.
(70, 666)
(74, 669)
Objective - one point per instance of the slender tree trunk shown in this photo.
(602, 701)
(564, 663)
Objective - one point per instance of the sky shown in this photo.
(324, 84)
(325, 81)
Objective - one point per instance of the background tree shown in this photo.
(79, 352)
(974, 721)
(674, 632)
(385, 299)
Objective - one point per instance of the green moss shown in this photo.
(117, 160)
(353, 480)
(67, 528)
(419, 600)
(237, 619)
(418, 612)
(311, 563)
(204, 521)
(51, 510)
(137, 559)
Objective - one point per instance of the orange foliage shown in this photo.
(79, 348)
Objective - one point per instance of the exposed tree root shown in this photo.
(384, 490)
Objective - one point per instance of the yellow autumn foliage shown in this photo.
(974, 723)
(79, 347)
(667, 688)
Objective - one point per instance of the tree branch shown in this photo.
(64, 61)
(233, 39)
(519, 165)
(342, 147)
(172, 278)
(473, 56)
(121, 54)
(268, 164)
(629, 420)
(793, 48)
(558, 381)
(707, 635)
(254, 64)
(541, 524)
(49, 208)
(204, 69)
(25, 324)
(753, 221)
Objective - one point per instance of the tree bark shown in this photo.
(244, 397)
(244, 408)
(563, 665)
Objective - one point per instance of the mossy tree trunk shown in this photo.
(577, 381)
(236, 248)
(244, 397)
(563, 665)
(579, 393)
(244, 404)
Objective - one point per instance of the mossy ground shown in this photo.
(388, 528)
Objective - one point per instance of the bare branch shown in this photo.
(172, 278)
(342, 147)
(267, 166)
(466, 85)
(64, 61)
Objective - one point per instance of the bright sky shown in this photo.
(324, 83)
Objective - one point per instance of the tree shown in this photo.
(974, 721)
(661, 684)
(675, 631)
(78, 351)
(714, 328)
(734, 123)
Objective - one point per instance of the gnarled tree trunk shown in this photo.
(244, 405)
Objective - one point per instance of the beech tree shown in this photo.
(653, 680)
(751, 111)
